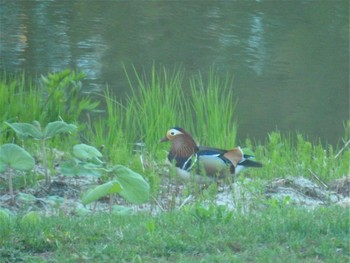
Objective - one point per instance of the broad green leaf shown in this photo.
(91, 169)
(96, 161)
(56, 127)
(86, 152)
(135, 188)
(69, 169)
(15, 157)
(80, 169)
(105, 189)
(26, 129)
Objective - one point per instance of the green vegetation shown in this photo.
(130, 162)
(274, 234)
(121, 180)
(208, 110)
(158, 102)
(23, 99)
(35, 131)
(296, 156)
(14, 157)
(213, 108)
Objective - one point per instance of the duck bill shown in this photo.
(165, 139)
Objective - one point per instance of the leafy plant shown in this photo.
(86, 161)
(122, 180)
(62, 96)
(34, 130)
(23, 99)
(126, 182)
(134, 187)
(129, 184)
(14, 157)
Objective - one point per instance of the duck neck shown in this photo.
(183, 147)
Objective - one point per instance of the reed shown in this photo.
(159, 102)
(295, 155)
(154, 105)
(213, 109)
(19, 98)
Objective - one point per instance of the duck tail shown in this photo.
(250, 163)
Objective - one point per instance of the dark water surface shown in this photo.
(289, 59)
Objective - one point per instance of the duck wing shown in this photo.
(213, 160)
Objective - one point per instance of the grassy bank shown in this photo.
(127, 132)
(157, 102)
(274, 234)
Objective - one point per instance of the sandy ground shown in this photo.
(64, 195)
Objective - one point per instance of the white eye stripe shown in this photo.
(174, 132)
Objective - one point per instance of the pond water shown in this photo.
(289, 59)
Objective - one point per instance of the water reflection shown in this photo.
(13, 35)
(90, 62)
(256, 45)
(289, 59)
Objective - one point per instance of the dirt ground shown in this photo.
(64, 196)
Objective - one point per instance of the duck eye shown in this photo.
(172, 133)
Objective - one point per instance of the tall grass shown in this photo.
(56, 95)
(107, 132)
(213, 107)
(19, 98)
(295, 155)
(155, 104)
(159, 102)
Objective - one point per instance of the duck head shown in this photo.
(183, 145)
(174, 133)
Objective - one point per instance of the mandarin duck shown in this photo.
(216, 163)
